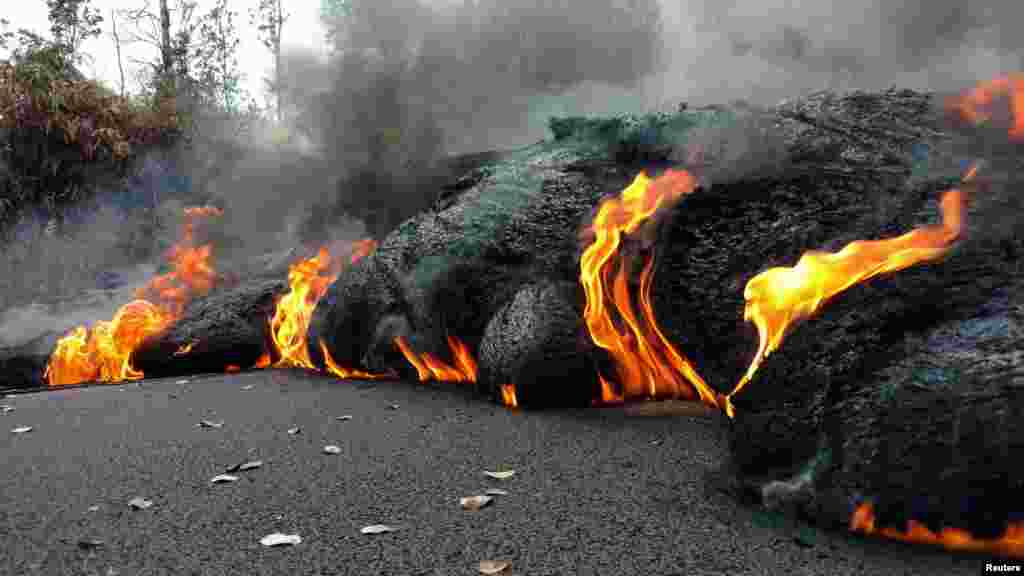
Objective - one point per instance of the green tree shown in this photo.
(215, 57)
(71, 23)
(269, 18)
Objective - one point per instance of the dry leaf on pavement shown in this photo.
(140, 503)
(475, 502)
(493, 566)
(278, 539)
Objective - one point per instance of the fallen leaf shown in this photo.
(475, 502)
(94, 508)
(393, 407)
(223, 478)
(496, 492)
(344, 417)
(331, 449)
(90, 543)
(211, 424)
(252, 465)
(6, 408)
(294, 431)
(378, 529)
(247, 387)
(503, 475)
(278, 539)
(493, 566)
(22, 429)
(140, 503)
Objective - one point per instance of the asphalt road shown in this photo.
(595, 491)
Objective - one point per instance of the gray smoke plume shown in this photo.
(411, 82)
(766, 50)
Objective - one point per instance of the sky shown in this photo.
(302, 30)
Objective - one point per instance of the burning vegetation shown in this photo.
(103, 352)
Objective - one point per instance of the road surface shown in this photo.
(594, 491)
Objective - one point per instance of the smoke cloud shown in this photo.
(412, 82)
(766, 50)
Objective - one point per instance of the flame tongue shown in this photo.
(780, 298)
(104, 352)
(1011, 543)
(647, 364)
(308, 280)
(429, 367)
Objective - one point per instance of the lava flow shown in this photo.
(103, 353)
(780, 298)
(1011, 543)
(647, 365)
(429, 367)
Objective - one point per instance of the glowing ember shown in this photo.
(181, 351)
(647, 365)
(232, 368)
(508, 395)
(308, 280)
(975, 105)
(780, 298)
(1011, 543)
(263, 361)
(104, 352)
(429, 367)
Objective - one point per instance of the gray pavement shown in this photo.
(595, 491)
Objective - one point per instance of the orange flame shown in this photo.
(263, 361)
(104, 352)
(429, 367)
(508, 395)
(646, 363)
(1011, 543)
(608, 394)
(778, 299)
(344, 373)
(975, 105)
(308, 280)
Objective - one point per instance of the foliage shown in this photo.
(215, 58)
(57, 128)
(36, 94)
(269, 18)
(71, 23)
(203, 50)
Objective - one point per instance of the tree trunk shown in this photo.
(166, 50)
